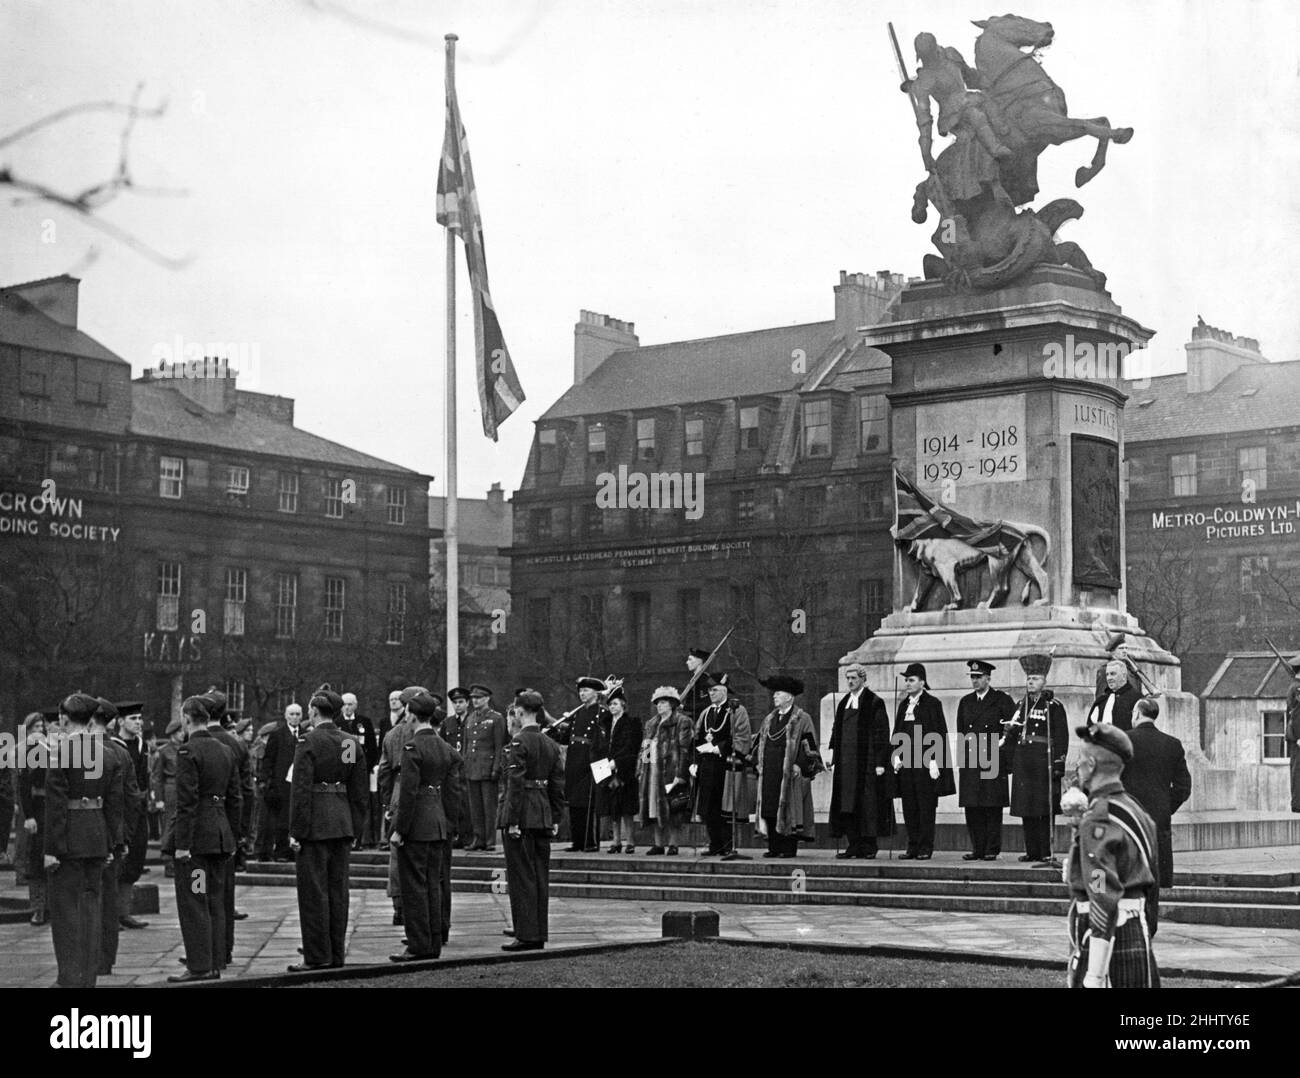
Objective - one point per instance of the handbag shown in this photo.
(679, 800)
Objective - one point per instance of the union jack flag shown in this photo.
(916, 516)
(499, 391)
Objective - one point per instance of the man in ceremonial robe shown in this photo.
(862, 786)
(584, 732)
(921, 762)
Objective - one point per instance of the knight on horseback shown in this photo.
(944, 75)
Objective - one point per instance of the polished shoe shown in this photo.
(971, 856)
(508, 932)
(40, 917)
(127, 921)
(924, 856)
(1024, 857)
(489, 849)
(846, 855)
(785, 855)
(909, 856)
(308, 967)
(629, 849)
(240, 915)
(405, 942)
(282, 860)
(573, 849)
(672, 851)
(655, 851)
(397, 917)
(523, 945)
(771, 853)
(1047, 862)
(616, 848)
(868, 857)
(477, 846)
(591, 849)
(406, 956)
(187, 977)
(990, 857)
(457, 845)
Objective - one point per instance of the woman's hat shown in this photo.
(665, 692)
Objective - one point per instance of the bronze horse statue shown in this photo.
(1031, 104)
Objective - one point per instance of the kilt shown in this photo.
(1132, 962)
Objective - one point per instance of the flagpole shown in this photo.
(450, 522)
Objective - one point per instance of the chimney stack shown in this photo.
(1213, 354)
(596, 337)
(496, 498)
(862, 300)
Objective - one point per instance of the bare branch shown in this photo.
(132, 111)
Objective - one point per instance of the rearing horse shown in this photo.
(1032, 106)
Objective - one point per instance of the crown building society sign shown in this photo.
(50, 517)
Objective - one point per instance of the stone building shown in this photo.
(163, 534)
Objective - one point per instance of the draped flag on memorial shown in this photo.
(917, 516)
(499, 391)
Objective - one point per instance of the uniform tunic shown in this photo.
(428, 765)
(1043, 716)
(534, 799)
(1110, 868)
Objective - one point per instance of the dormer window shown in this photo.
(873, 432)
(645, 439)
(695, 437)
(548, 457)
(749, 428)
(816, 429)
(596, 445)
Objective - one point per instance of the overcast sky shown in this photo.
(696, 167)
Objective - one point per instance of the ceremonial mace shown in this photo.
(686, 692)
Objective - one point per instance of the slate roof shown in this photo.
(26, 325)
(1249, 675)
(1256, 396)
(158, 411)
(689, 372)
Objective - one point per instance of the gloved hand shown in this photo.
(934, 770)
(898, 764)
(1098, 975)
(879, 771)
(695, 770)
(29, 825)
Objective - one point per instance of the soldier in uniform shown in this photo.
(130, 735)
(388, 778)
(330, 789)
(1040, 737)
(862, 789)
(982, 780)
(583, 730)
(529, 817)
(31, 800)
(719, 729)
(420, 828)
(698, 698)
(162, 787)
(238, 750)
(1110, 871)
(207, 799)
(921, 762)
(485, 735)
(453, 732)
(119, 772)
(83, 817)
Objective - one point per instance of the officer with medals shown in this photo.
(485, 737)
(207, 799)
(1110, 871)
(583, 730)
(721, 731)
(83, 817)
(530, 814)
(1040, 737)
(982, 780)
(453, 732)
(420, 828)
(327, 804)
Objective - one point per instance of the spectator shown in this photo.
(663, 771)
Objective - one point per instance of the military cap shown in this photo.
(410, 692)
(242, 725)
(105, 712)
(1107, 736)
(173, 726)
(783, 683)
(665, 692)
(423, 704)
(216, 703)
(531, 701)
(480, 690)
(458, 693)
(591, 683)
(698, 653)
(326, 700)
(127, 708)
(200, 706)
(979, 666)
(1036, 664)
(79, 707)
(916, 670)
